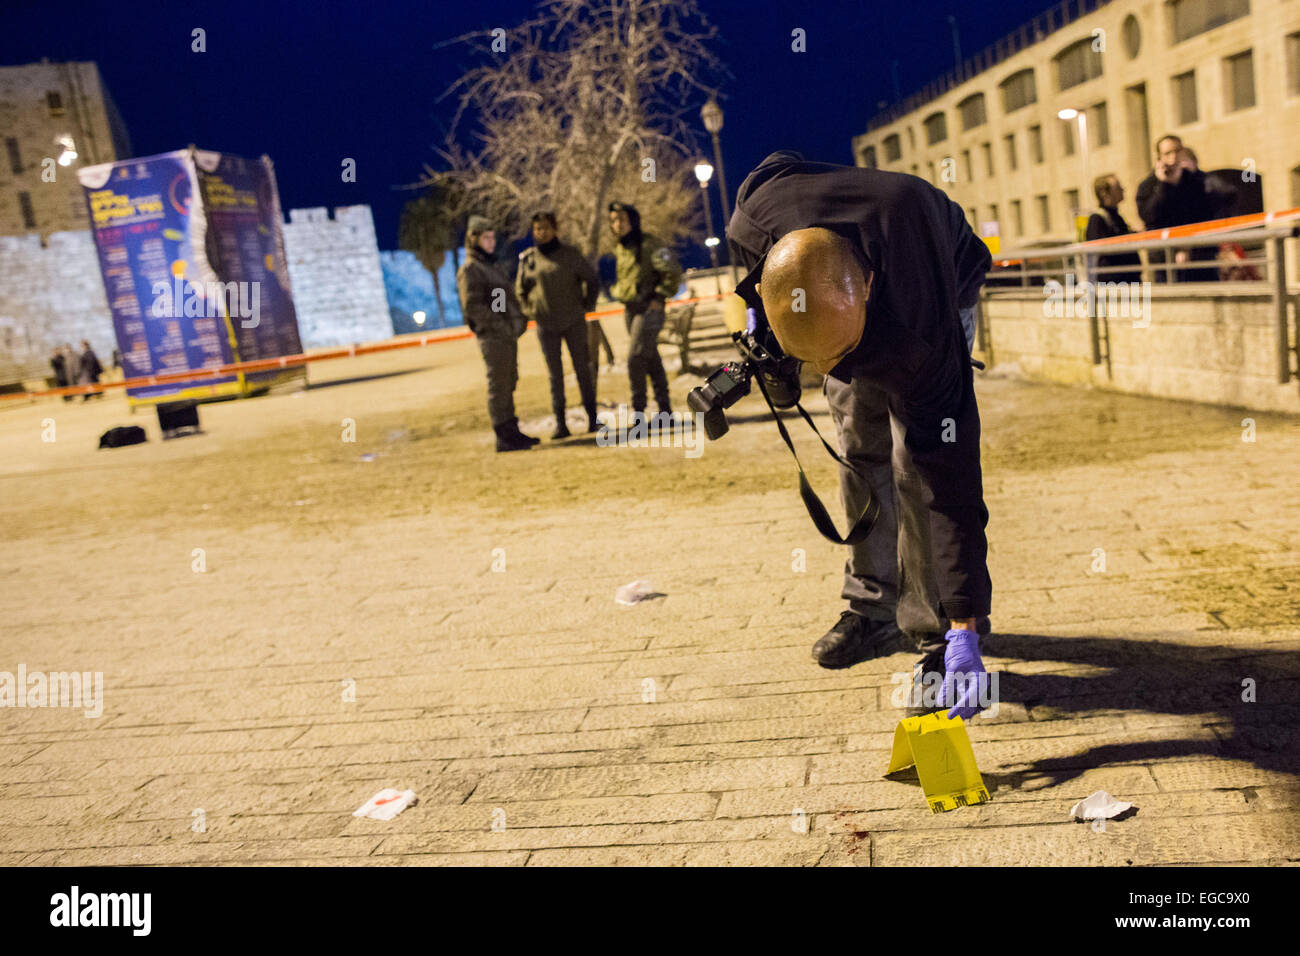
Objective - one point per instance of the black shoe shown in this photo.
(561, 431)
(593, 423)
(855, 638)
(519, 436)
(510, 439)
(927, 676)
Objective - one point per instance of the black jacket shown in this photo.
(1162, 205)
(1106, 224)
(928, 264)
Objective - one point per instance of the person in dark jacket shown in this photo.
(1175, 195)
(557, 286)
(1108, 223)
(872, 279)
(91, 369)
(60, 366)
(647, 275)
(487, 300)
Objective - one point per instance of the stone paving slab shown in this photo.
(442, 618)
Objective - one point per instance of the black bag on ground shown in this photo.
(122, 435)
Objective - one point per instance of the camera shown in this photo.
(731, 383)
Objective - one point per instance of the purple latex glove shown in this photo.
(964, 675)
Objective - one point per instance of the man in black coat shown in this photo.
(1175, 195)
(872, 279)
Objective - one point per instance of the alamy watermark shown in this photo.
(181, 298)
(633, 429)
(1119, 300)
(76, 689)
(975, 687)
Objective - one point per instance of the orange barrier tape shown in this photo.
(289, 361)
(1179, 232)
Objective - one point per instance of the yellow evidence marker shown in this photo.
(944, 760)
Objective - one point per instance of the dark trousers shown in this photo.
(575, 336)
(643, 357)
(890, 575)
(500, 355)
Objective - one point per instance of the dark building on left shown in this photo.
(54, 119)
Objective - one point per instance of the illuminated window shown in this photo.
(1018, 90)
(972, 111)
(1076, 64)
(936, 128)
(1185, 97)
(1239, 82)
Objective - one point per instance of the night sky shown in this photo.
(312, 83)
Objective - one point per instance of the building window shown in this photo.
(1067, 137)
(29, 214)
(993, 213)
(893, 148)
(1018, 217)
(936, 128)
(1185, 97)
(1072, 203)
(972, 112)
(1044, 214)
(1010, 140)
(1035, 144)
(987, 149)
(869, 157)
(1189, 18)
(1098, 125)
(1077, 63)
(973, 216)
(1293, 64)
(15, 161)
(1239, 82)
(968, 165)
(54, 100)
(1132, 36)
(1018, 90)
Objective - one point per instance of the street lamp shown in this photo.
(1068, 114)
(711, 115)
(704, 172)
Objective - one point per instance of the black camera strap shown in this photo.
(816, 510)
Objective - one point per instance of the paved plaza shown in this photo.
(288, 622)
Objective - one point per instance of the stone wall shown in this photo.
(1216, 348)
(48, 296)
(338, 285)
(54, 294)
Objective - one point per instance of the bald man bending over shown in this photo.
(871, 278)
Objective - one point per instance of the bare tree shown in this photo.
(586, 103)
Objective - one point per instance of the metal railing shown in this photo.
(1039, 28)
(1158, 267)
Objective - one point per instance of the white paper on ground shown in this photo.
(638, 590)
(387, 803)
(1100, 806)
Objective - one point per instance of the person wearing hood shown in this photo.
(871, 278)
(646, 276)
(488, 303)
(557, 287)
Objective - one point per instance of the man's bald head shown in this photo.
(815, 292)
